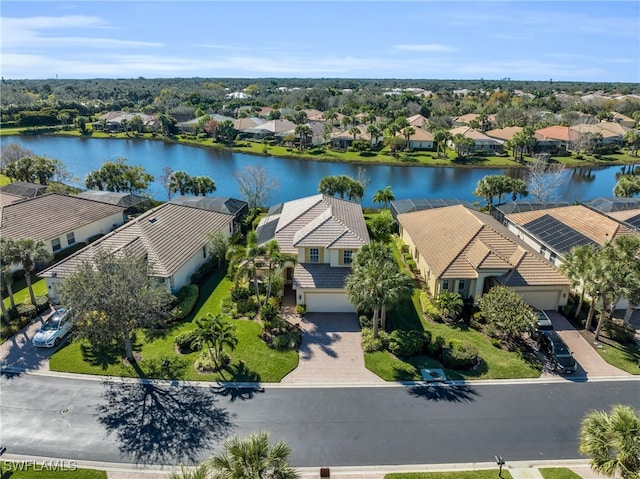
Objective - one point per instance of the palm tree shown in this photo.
(407, 131)
(577, 266)
(203, 185)
(303, 132)
(201, 471)
(395, 285)
(374, 132)
(253, 458)
(440, 137)
(27, 252)
(611, 441)
(355, 131)
(6, 280)
(449, 303)
(247, 260)
(215, 333)
(180, 181)
(384, 196)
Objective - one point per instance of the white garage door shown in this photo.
(542, 299)
(328, 303)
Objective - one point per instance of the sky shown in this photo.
(540, 40)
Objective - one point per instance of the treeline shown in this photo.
(52, 102)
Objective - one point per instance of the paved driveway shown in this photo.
(18, 354)
(330, 352)
(590, 363)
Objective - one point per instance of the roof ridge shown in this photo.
(320, 198)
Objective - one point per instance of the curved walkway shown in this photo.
(330, 352)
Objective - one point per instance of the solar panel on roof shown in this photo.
(556, 234)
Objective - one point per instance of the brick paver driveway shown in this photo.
(330, 352)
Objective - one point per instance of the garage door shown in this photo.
(542, 299)
(328, 303)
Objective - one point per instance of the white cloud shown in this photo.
(426, 47)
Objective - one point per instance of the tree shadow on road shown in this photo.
(163, 423)
(443, 392)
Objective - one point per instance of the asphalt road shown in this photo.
(78, 419)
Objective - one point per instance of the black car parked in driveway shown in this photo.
(557, 352)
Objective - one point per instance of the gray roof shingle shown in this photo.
(320, 275)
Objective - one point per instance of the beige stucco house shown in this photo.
(323, 233)
(173, 237)
(463, 250)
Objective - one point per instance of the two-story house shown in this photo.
(323, 233)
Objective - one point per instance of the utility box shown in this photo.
(325, 472)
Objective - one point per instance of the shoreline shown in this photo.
(474, 162)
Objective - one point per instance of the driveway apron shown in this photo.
(330, 352)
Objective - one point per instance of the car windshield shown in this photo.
(51, 325)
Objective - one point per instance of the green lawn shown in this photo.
(495, 363)
(252, 360)
(625, 357)
(35, 471)
(484, 474)
(21, 292)
(558, 473)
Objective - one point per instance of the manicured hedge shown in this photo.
(186, 299)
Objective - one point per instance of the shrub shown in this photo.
(288, 340)
(460, 357)
(42, 303)
(186, 342)
(301, 309)
(186, 300)
(268, 313)
(412, 265)
(27, 310)
(404, 248)
(239, 293)
(619, 331)
(249, 305)
(428, 307)
(434, 348)
(207, 268)
(371, 344)
(406, 343)
(196, 278)
(365, 321)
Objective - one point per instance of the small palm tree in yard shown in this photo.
(201, 471)
(253, 458)
(449, 303)
(26, 252)
(612, 441)
(215, 334)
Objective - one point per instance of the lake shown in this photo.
(297, 178)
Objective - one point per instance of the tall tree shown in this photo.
(203, 185)
(11, 152)
(632, 140)
(354, 131)
(303, 132)
(119, 176)
(181, 182)
(544, 179)
(440, 138)
(253, 458)
(612, 441)
(165, 180)
(627, 186)
(112, 296)
(255, 185)
(374, 132)
(384, 197)
(26, 252)
(577, 266)
(506, 310)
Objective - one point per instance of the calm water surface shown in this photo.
(297, 178)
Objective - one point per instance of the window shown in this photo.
(552, 257)
(461, 285)
(543, 250)
(314, 255)
(445, 285)
(347, 256)
(71, 238)
(55, 244)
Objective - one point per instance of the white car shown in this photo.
(54, 329)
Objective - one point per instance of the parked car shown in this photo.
(54, 329)
(543, 326)
(557, 352)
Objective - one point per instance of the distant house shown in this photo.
(173, 237)
(268, 129)
(554, 138)
(60, 221)
(192, 125)
(24, 189)
(343, 139)
(114, 121)
(462, 250)
(612, 133)
(420, 140)
(242, 124)
(464, 120)
(418, 121)
(226, 205)
(623, 120)
(481, 141)
(504, 134)
(323, 233)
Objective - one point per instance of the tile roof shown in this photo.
(562, 133)
(593, 225)
(318, 220)
(312, 275)
(169, 234)
(475, 135)
(7, 198)
(52, 215)
(457, 242)
(504, 133)
(418, 120)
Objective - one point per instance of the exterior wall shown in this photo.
(420, 145)
(85, 232)
(324, 255)
(335, 257)
(53, 289)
